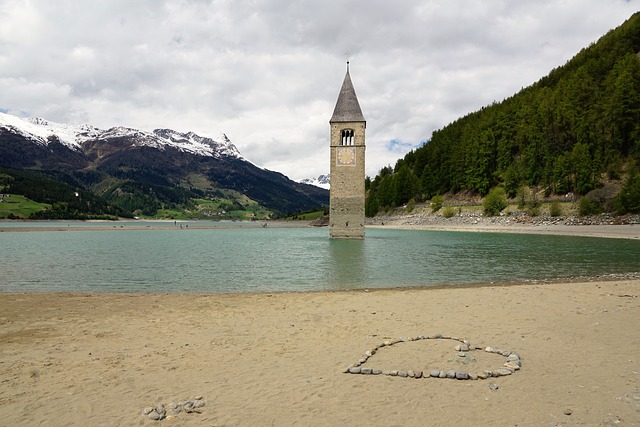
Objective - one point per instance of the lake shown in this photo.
(255, 259)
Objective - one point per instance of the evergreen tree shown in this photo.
(628, 201)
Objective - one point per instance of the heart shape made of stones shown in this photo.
(512, 364)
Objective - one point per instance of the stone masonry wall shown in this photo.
(347, 192)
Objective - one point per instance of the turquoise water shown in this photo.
(249, 259)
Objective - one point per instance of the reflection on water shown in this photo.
(347, 264)
(293, 259)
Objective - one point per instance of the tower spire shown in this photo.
(347, 107)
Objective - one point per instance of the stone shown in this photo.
(473, 376)
(442, 374)
(502, 372)
(493, 386)
(386, 342)
(386, 372)
(368, 353)
(376, 371)
(153, 415)
(434, 373)
(489, 350)
(418, 374)
(462, 354)
(513, 366)
(198, 403)
(513, 357)
(467, 359)
(462, 375)
(462, 347)
(354, 370)
(411, 374)
(361, 361)
(568, 411)
(482, 376)
(146, 411)
(393, 373)
(198, 398)
(159, 408)
(365, 371)
(451, 374)
(403, 374)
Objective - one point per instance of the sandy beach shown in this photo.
(278, 359)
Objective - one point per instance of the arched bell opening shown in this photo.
(347, 137)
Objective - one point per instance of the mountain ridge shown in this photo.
(117, 163)
(322, 181)
(73, 136)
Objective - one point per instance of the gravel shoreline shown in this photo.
(605, 225)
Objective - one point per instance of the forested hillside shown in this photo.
(569, 132)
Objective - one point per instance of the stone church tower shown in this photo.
(346, 213)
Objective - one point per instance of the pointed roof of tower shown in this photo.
(347, 107)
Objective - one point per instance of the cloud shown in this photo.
(267, 72)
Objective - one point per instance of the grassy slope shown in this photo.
(19, 206)
(218, 209)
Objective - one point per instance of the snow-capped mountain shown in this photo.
(196, 144)
(321, 181)
(129, 164)
(41, 130)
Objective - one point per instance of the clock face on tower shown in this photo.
(346, 156)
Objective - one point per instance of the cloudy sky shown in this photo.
(268, 72)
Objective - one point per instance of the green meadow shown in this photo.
(15, 206)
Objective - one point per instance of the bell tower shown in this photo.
(347, 194)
